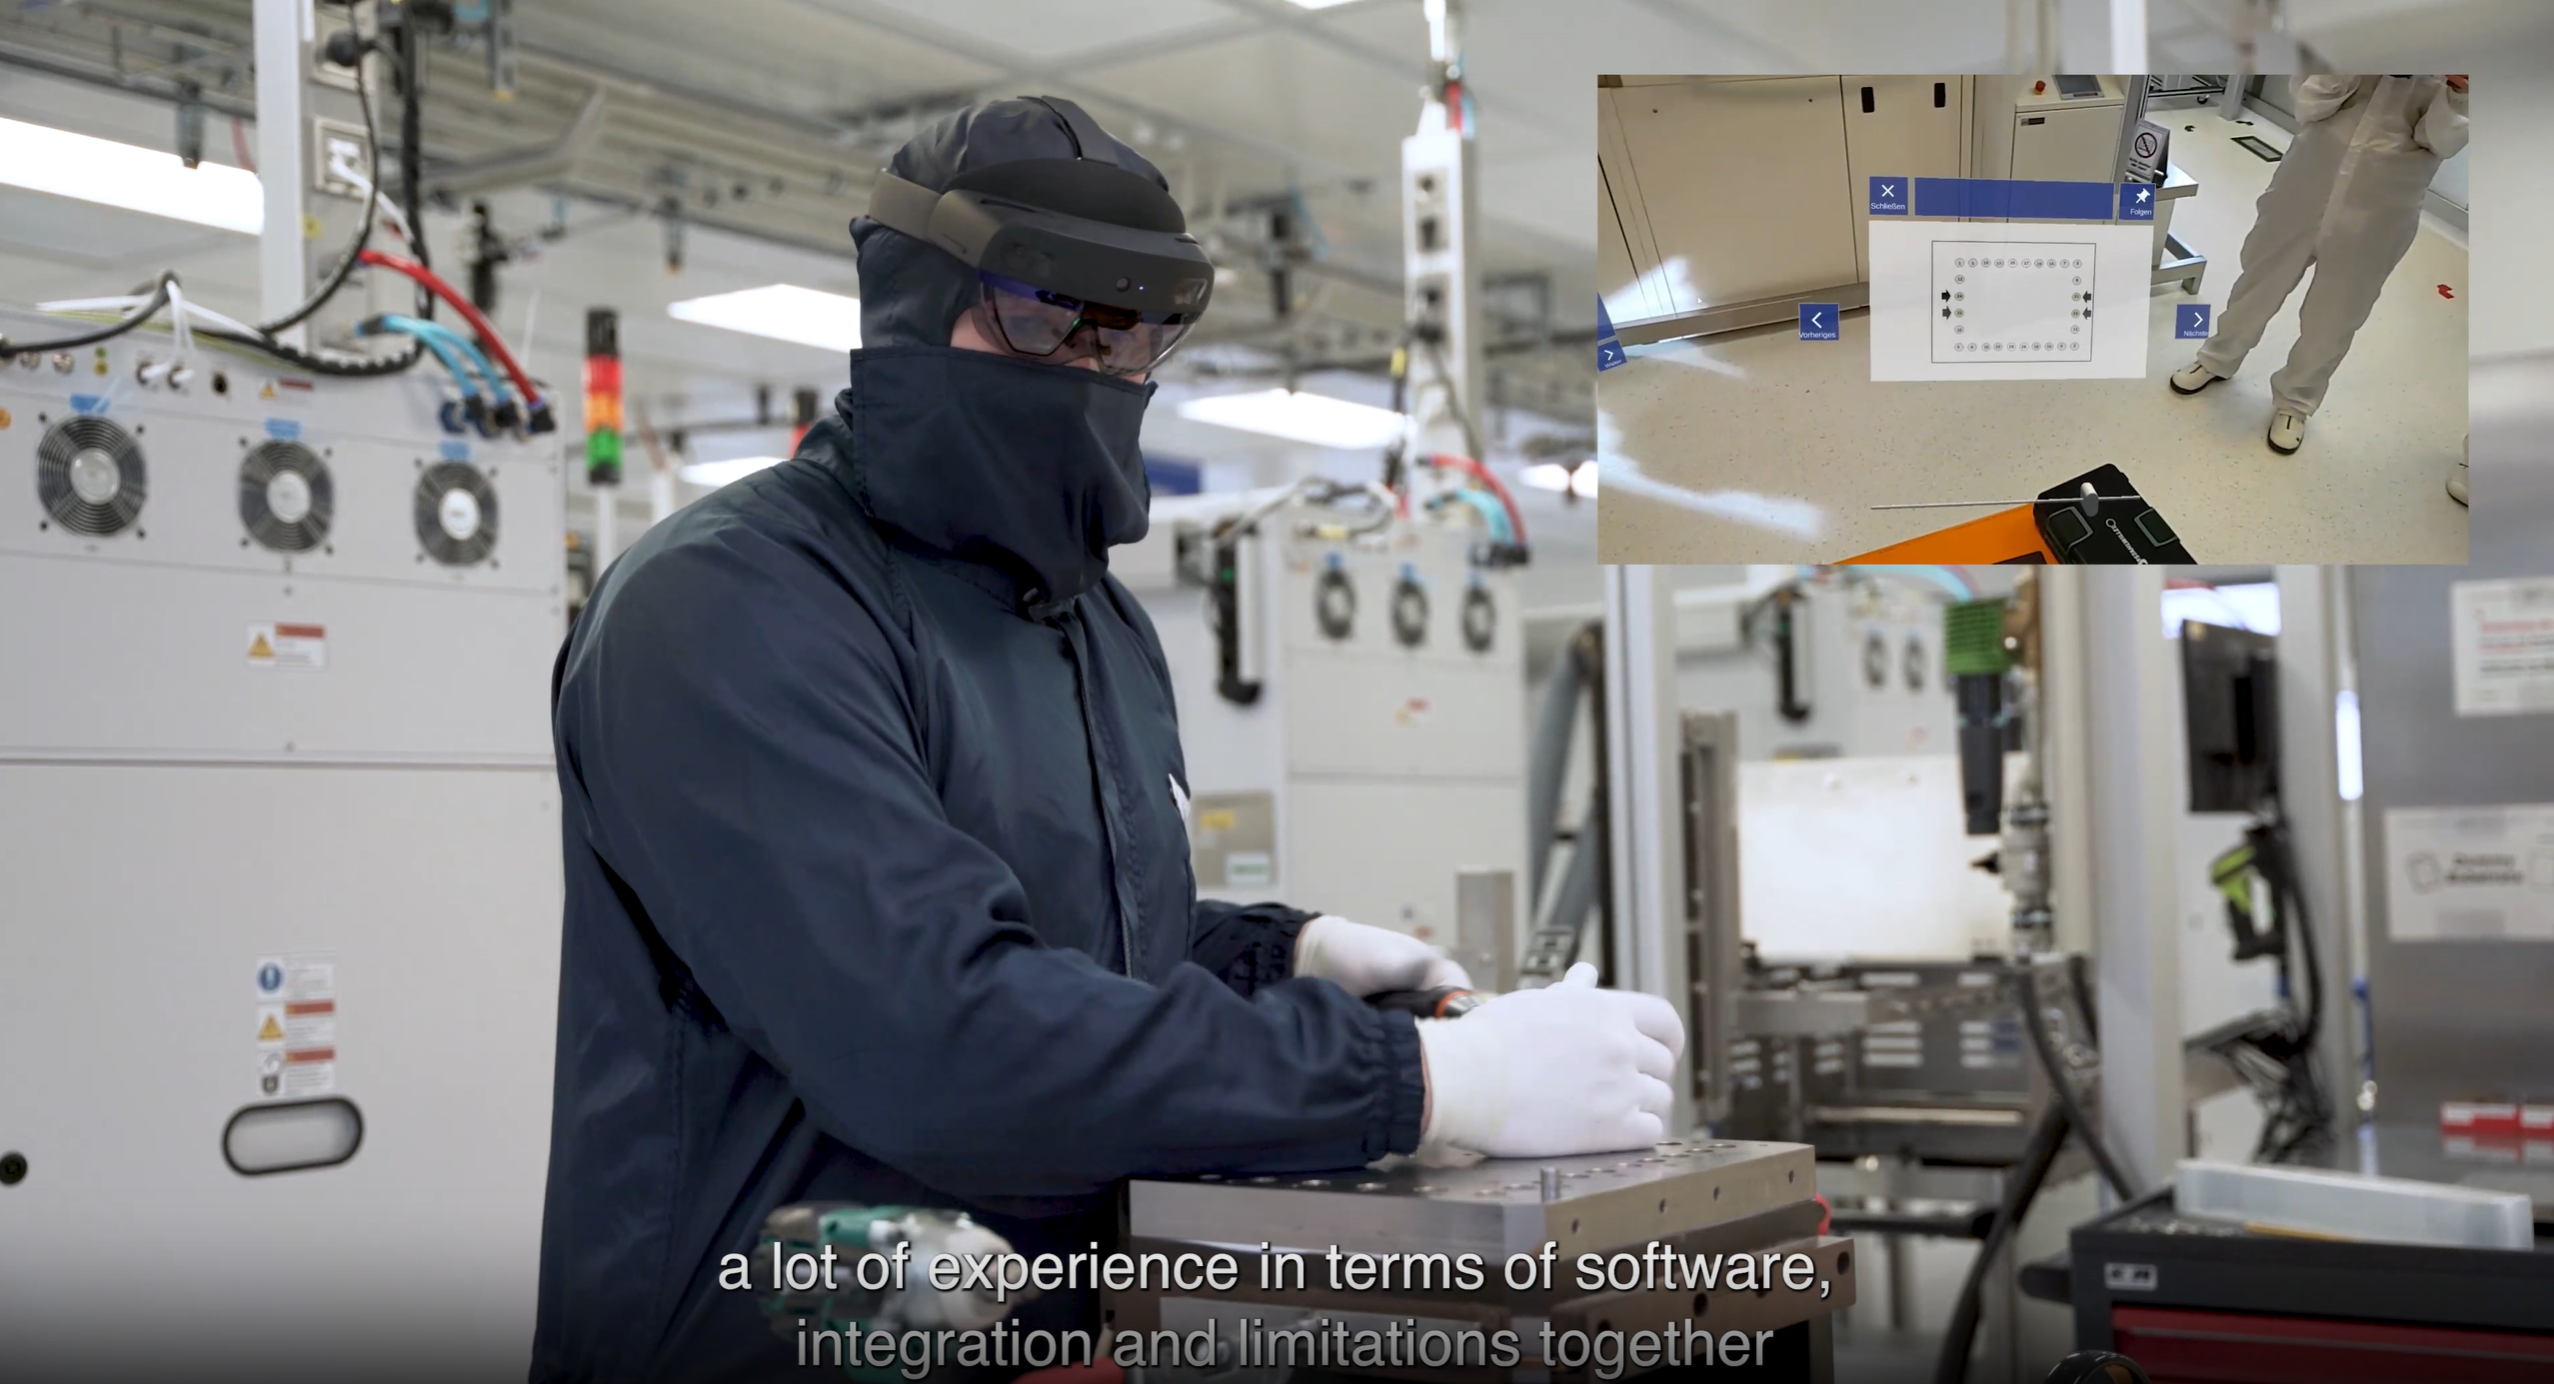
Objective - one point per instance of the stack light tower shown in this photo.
(603, 426)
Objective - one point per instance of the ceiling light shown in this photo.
(43, 159)
(1551, 475)
(1314, 418)
(807, 316)
(717, 473)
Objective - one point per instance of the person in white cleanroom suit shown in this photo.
(2347, 202)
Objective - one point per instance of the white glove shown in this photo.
(1366, 960)
(960, 1308)
(1545, 1073)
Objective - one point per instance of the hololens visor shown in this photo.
(1083, 231)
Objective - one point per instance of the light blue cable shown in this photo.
(1490, 509)
(439, 344)
(1943, 577)
(421, 328)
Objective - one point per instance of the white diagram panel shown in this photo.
(2025, 301)
(1968, 300)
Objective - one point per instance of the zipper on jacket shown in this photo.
(1104, 776)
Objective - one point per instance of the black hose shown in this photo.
(412, 158)
(2063, 1086)
(1951, 1366)
(363, 234)
(149, 308)
(2082, 984)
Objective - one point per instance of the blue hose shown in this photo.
(436, 341)
(427, 331)
(1490, 509)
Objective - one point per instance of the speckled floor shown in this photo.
(1760, 447)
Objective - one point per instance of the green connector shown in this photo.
(1973, 639)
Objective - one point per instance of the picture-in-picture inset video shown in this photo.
(2052, 319)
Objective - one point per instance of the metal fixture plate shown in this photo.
(1493, 1208)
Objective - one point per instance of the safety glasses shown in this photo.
(1035, 322)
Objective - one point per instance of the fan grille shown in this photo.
(90, 476)
(258, 474)
(478, 538)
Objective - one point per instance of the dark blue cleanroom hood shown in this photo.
(911, 293)
(1030, 469)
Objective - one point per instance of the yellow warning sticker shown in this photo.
(288, 646)
(270, 1031)
(268, 392)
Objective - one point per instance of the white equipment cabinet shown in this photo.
(279, 871)
(1385, 750)
(1734, 198)
(2043, 136)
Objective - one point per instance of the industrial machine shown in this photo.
(278, 864)
(1336, 667)
(2050, 129)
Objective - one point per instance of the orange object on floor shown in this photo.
(2010, 535)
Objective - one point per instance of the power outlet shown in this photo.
(333, 142)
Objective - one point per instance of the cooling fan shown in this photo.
(90, 476)
(285, 497)
(456, 512)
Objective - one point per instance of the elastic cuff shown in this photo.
(1285, 933)
(1406, 1090)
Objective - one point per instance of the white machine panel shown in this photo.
(1386, 853)
(2022, 301)
(1385, 751)
(135, 904)
(2012, 286)
(407, 611)
(121, 659)
(279, 870)
(1863, 857)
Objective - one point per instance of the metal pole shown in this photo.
(282, 47)
(1644, 807)
(2134, 736)
(2310, 633)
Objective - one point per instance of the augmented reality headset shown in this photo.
(1085, 227)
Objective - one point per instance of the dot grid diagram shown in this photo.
(2012, 301)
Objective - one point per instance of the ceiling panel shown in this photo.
(1279, 89)
(1554, 194)
(1052, 31)
(788, 54)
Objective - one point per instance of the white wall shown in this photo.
(2513, 279)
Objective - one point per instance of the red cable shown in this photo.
(487, 334)
(1481, 473)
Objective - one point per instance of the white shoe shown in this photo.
(2287, 432)
(2194, 377)
(2456, 485)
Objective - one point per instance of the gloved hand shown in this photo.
(1366, 960)
(1545, 1073)
(961, 1308)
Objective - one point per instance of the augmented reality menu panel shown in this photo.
(2013, 301)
